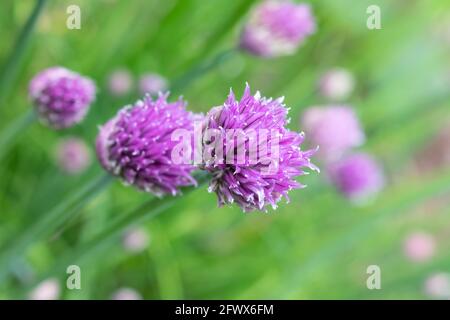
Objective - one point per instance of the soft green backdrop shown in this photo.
(317, 246)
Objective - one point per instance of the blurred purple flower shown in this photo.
(277, 28)
(335, 129)
(358, 176)
(136, 145)
(61, 97)
(126, 294)
(152, 83)
(120, 82)
(419, 246)
(253, 185)
(72, 155)
(48, 289)
(136, 240)
(337, 84)
(437, 286)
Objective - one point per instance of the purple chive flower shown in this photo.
(335, 129)
(136, 145)
(277, 28)
(61, 97)
(72, 155)
(358, 176)
(152, 83)
(254, 185)
(120, 82)
(337, 84)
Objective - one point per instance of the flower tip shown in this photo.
(314, 168)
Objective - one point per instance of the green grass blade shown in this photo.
(144, 212)
(201, 69)
(10, 69)
(51, 221)
(8, 135)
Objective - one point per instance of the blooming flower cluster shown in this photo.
(277, 28)
(136, 145)
(250, 156)
(61, 97)
(245, 183)
(358, 176)
(337, 131)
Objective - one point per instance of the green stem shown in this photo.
(51, 222)
(144, 212)
(11, 67)
(200, 69)
(14, 130)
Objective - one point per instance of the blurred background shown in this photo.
(316, 247)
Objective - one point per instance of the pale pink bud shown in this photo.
(136, 240)
(337, 84)
(438, 286)
(73, 155)
(120, 82)
(126, 294)
(419, 247)
(46, 290)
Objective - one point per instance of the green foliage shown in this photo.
(318, 245)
